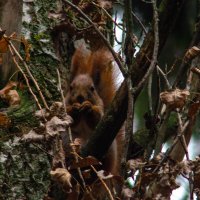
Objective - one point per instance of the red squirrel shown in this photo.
(91, 90)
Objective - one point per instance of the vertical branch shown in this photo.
(129, 44)
(128, 51)
(155, 50)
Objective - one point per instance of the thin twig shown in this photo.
(26, 79)
(30, 74)
(182, 138)
(60, 89)
(139, 22)
(106, 42)
(103, 183)
(149, 91)
(76, 158)
(165, 77)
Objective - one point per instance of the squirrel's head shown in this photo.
(82, 89)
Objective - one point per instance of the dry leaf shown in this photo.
(10, 96)
(175, 98)
(8, 87)
(85, 162)
(27, 48)
(13, 98)
(63, 177)
(56, 126)
(4, 120)
(3, 45)
(191, 53)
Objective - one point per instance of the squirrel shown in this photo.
(91, 90)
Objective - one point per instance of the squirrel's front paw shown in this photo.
(86, 106)
(73, 109)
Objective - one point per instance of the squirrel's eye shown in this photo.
(92, 88)
(70, 87)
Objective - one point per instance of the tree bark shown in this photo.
(11, 21)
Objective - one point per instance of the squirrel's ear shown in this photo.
(80, 62)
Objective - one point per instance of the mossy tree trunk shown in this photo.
(25, 167)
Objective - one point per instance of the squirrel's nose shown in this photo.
(80, 99)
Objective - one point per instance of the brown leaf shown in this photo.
(63, 177)
(10, 85)
(13, 98)
(3, 45)
(85, 162)
(175, 98)
(10, 96)
(27, 48)
(191, 53)
(4, 120)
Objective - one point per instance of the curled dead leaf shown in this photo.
(85, 162)
(9, 95)
(13, 98)
(63, 177)
(191, 53)
(175, 98)
(10, 85)
(56, 126)
(4, 120)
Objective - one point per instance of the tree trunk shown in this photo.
(11, 21)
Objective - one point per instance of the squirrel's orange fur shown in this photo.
(91, 90)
